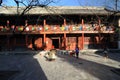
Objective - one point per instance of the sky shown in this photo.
(102, 3)
(67, 3)
(81, 2)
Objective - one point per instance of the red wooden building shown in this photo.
(58, 27)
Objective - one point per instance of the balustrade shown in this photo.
(58, 28)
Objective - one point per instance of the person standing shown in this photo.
(77, 51)
(105, 51)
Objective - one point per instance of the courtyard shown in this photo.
(31, 65)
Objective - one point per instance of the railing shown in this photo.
(87, 28)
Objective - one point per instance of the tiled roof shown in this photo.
(56, 10)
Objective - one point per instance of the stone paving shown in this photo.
(89, 66)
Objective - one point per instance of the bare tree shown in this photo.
(112, 5)
(0, 2)
(26, 6)
(29, 4)
(23, 6)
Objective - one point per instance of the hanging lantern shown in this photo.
(19, 29)
(3, 29)
(41, 28)
(33, 28)
(66, 28)
(62, 28)
(80, 28)
(55, 28)
(73, 28)
(27, 29)
(46, 28)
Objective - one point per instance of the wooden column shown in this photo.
(65, 41)
(82, 34)
(99, 22)
(26, 40)
(26, 36)
(64, 35)
(119, 33)
(26, 22)
(44, 36)
(64, 22)
(44, 44)
(8, 23)
(44, 23)
(8, 37)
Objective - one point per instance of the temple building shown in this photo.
(58, 27)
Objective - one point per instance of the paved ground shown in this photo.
(89, 66)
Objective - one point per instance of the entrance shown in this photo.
(55, 43)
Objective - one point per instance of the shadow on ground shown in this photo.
(6, 75)
(99, 71)
(20, 67)
(112, 54)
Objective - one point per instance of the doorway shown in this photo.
(55, 43)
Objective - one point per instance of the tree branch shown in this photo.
(0, 2)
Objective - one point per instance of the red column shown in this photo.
(8, 41)
(26, 22)
(44, 23)
(65, 41)
(64, 35)
(44, 38)
(44, 35)
(99, 22)
(44, 44)
(64, 22)
(26, 37)
(82, 34)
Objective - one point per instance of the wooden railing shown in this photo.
(50, 29)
